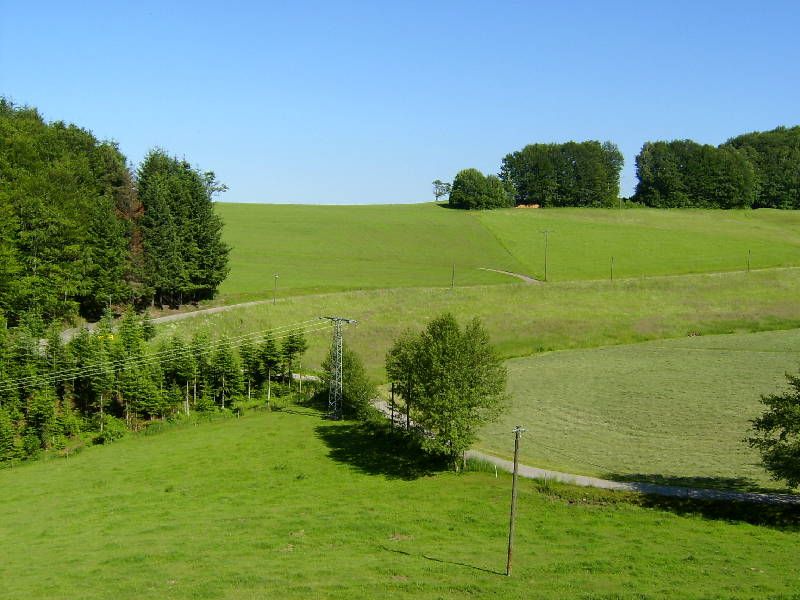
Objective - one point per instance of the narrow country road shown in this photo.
(605, 484)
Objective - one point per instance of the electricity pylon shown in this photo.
(335, 388)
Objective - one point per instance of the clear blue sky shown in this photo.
(369, 102)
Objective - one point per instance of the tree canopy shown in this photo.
(453, 380)
(570, 174)
(471, 189)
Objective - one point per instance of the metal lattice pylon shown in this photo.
(335, 387)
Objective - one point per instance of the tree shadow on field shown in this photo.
(375, 449)
(778, 514)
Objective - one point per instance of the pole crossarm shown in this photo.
(335, 387)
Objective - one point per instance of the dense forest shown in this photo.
(80, 231)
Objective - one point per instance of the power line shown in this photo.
(151, 359)
(87, 369)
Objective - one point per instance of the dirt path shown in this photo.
(68, 334)
(526, 278)
(644, 488)
(606, 484)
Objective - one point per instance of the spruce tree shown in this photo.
(270, 361)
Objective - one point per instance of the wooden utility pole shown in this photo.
(612, 268)
(517, 433)
(453, 277)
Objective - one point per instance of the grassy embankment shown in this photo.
(289, 505)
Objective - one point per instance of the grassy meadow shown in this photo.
(525, 319)
(669, 411)
(333, 248)
(289, 505)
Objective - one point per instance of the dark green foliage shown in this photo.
(60, 231)
(777, 433)
(358, 391)
(683, 173)
(570, 174)
(185, 257)
(775, 155)
(472, 190)
(74, 236)
(226, 374)
(8, 434)
(293, 348)
(456, 378)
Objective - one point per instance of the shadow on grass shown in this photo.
(733, 484)
(377, 450)
(440, 560)
(779, 515)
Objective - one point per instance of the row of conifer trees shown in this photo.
(102, 383)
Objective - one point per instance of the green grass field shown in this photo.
(288, 505)
(671, 411)
(523, 319)
(331, 248)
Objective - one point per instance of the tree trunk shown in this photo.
(223, 392)
(101, 413)
(269, 385)
(187, 397)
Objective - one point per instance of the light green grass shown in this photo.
(322, 248)
(645, 242)
(289, 506)
(523, 319)
(329, 248)
(674, 411)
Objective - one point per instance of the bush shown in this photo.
(113, 429)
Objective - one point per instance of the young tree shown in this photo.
(294, 346)
(270, 361)
(251, 364)
(401, 368)
(8, 436)
(460, 383)
(226, 373)
(777, 433)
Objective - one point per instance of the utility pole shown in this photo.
(748, 261)
(545, 232)
(612, 268)
(517, 433)
(275, 289)
(335, 389)
(453, 277)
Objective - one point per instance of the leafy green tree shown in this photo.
(401, 369)
(775, 156)
(358, 391)
(8, 435)
(180, 370)
(251, 364)
(270, 361)
(460, 381)
(776, 433)
(141, 395)
(440, 188)
(472, 190)
(226, 374)
(293, 348)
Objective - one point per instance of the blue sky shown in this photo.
(358, 102)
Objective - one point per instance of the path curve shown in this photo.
(606, 484)
(526, 278)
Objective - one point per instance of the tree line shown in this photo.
(103, 383)
(80, 230)
(753, 170)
